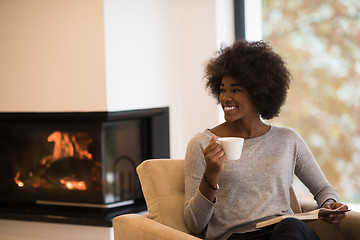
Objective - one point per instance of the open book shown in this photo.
(307, 216)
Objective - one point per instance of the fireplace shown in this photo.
(79, 158)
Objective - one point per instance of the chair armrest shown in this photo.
(135, 226)
(349, 226)
(348, 229)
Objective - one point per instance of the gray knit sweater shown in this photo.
(254, 188)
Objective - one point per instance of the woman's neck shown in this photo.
(242, 129)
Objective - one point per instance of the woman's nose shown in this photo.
(225, 97)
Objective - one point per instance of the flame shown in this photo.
(17, 181)
(77, 185)
(68, 145)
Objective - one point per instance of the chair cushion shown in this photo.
(162, 182)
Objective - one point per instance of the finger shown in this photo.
(340, 206)
(213, 148)
(213, 142)
(335, 206)
(333, 218)
(216, 153)
(220, 154)
(338, 215)
(210, 148)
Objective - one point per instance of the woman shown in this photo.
(250, 82)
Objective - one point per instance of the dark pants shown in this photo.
(287, 229)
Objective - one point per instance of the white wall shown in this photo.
(155, 51)
(141, 52)
(52, 55)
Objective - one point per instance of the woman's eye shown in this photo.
(222, 90)
(236, 90)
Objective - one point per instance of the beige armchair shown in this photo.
(162, 182)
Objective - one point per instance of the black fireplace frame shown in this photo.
(158, 117)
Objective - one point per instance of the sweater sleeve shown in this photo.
(309, 172)
(198, 209)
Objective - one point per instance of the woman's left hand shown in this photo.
(333, 217)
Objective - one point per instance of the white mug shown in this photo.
(232, 147)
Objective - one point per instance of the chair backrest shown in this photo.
(294, 204)
(162, 182)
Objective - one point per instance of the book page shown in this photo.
(306, 216)
(312, 215)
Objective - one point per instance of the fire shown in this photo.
(78, 185)
(68, 144)
(17, 181)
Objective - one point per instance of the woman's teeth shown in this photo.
(226, 108)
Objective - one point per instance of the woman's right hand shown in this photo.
(214, 157)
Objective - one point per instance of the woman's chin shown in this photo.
(229, 119)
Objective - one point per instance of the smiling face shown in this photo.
(236, 102)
